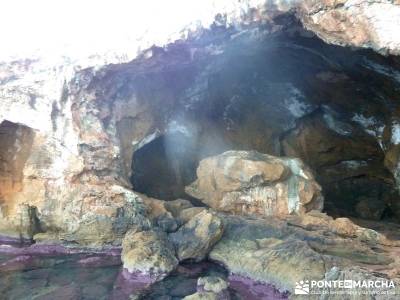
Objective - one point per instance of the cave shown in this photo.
(288, 94)
(236, 149)
(163, 167)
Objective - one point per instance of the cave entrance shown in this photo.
(163, 167)
(15, 144)
(288, 95)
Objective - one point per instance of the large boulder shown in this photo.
(253, 183)
(196, 238)
(148, 253)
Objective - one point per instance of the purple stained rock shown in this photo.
(254, 290)
(37, 256)
(6, 240)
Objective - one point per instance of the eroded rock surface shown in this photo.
(68, 144)
(148, 253)
(212, 284)
(159, 215)
(357, 23)
(256, 184)
(283, 252)
(220, 89)
(211, 287)
(254, 79)
(197, 237)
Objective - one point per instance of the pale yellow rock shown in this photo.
(176, 206)
(282, 252)
(251, 183)
(212, 284)
(188, 213)
(149, 253)
(202, 296)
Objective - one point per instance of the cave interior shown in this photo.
(288, 94)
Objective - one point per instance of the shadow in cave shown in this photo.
(289, 95)
(163, 167)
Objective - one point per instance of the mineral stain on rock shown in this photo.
(232, 160)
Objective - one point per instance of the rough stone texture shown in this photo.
(371, 209)
(69, 128)
(254, 290)
(47, 187)
(160, 216)
(256, 184)
(358, 176)
(197, 237)
(188, 213)
(356, 273)
(212, 284)
(357, 23)
(81, 118)
(211, 287)
(108, 215)
(178, 205)
(283, 252)
(148, 253)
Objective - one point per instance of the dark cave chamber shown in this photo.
(163, 167)
(285, 95)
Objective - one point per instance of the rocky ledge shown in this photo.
(279, 249)
(99, 152)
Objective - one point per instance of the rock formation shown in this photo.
(195, 239)
(148, 253)
(80, 126)
(279, 104)
(283, 252)
(210, 287)
(256, 184)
